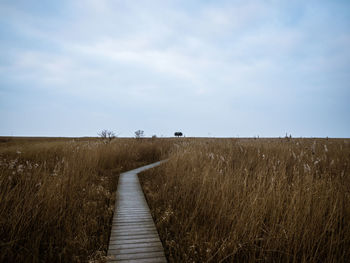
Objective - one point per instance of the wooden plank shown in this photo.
(133, 250)
(134, 256)
(135, 233)
(117, 218)
(134, 237)
(133, 241)
(135, 245)
(128, 230)
(137, 224)
(132, 214)
(145, 260)
(133, 221)
(134, 227)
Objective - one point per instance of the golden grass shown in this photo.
(57, 195)
(246, 200)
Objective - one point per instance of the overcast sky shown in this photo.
(206, 68)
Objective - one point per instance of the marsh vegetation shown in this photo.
(246, 200)
(57, 195)
(215, 200)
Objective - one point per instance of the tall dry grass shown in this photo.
(245, 200)
(57, 195)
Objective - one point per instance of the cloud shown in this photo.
(218, 58)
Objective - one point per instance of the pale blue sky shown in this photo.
(217, 68)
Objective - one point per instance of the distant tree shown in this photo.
(178, 134)
(154, 136)
(139, 134)
(288, 137)
(107, 135)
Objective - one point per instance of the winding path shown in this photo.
(134, 237)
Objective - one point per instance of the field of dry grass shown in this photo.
(246, 200)
(216, 200)
(57, 195)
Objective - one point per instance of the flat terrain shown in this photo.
(58, 194)
(253, 200)
(215, 200)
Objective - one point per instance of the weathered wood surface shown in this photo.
(134, 237)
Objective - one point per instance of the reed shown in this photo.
(246, 200)
(57, 195)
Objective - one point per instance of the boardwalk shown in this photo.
(134, 237)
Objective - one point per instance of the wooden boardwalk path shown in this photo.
(134, 237)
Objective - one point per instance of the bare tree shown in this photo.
(107, 135)
(139, 134)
